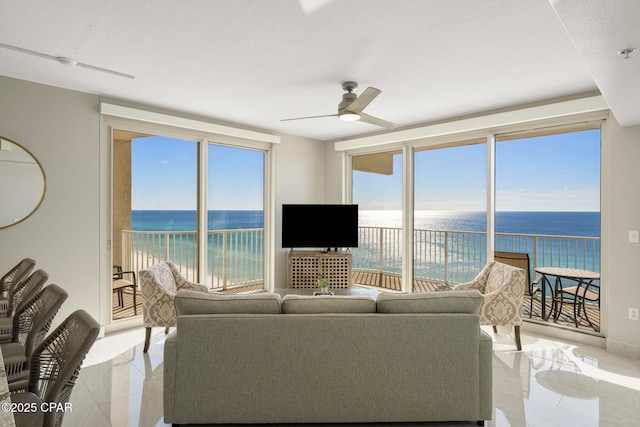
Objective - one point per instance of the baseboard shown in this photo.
(564, 334)
(629, 351)
(123, 324)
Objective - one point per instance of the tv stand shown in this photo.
(306, 267)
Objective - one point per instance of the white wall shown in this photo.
(624, 214)
(60, 128)
(332, 174)
(300, 178)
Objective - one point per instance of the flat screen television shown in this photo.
(320, 226)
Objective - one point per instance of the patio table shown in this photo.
(584, 278)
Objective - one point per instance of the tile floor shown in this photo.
(549, 383)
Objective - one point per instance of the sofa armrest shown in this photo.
(169, 374)
(486, 376)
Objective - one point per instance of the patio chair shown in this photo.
(55, 366)
(578, 296)
(521, 260)
(159, 284)
(502, 287)
(120, 284)
(30, 325)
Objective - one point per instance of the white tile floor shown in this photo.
(549, 383)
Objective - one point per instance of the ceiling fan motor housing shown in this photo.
(347, 99)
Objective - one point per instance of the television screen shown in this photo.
(320, 226)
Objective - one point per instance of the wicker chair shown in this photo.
(30, 325)
(20, 293)
(502, 287)
(13, 277)
(55, 366)
(159, 284)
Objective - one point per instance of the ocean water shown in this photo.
(585, 224)
(147, 220)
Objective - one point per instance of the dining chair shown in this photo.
(14, 276)
(521, 260)
(120, 284)
(55, 365)
(20, 293)
(30, 325)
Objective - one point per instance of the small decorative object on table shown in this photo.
(323, 284)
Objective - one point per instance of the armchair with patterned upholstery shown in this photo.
(159, 284)
(502, 287)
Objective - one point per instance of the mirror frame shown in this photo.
(44, 183)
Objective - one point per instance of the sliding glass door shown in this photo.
(156, 192)
(377, 189)
(154, 208)
(235, 218)
(548, 206)
(450, 214)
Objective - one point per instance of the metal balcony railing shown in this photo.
(235, 257)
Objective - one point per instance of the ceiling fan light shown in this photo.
(349, 116)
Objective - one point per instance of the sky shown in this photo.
(550, 173)
(164, 176)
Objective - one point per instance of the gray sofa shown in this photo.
(261, 358)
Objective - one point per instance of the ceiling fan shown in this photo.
(66, 61)
(352, 105)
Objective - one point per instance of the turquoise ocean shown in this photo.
(544, 223)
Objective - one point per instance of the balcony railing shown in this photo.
(234, 257)
(458, 256)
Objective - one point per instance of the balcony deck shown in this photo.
(390, 282)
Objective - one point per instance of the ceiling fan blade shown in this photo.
(66, 61)
(376, 121)
(363, 99)
(105, 70)
(28, 52)
(308, 117)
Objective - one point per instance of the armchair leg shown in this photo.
(166, 330)
(516, 332)
(135, 303)
(147, 338)
(495, 329)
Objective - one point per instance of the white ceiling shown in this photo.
(254, 62)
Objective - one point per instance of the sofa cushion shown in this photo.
(468, 301)
(194, 302)
(307, 304)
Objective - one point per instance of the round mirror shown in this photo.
(22, 183)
